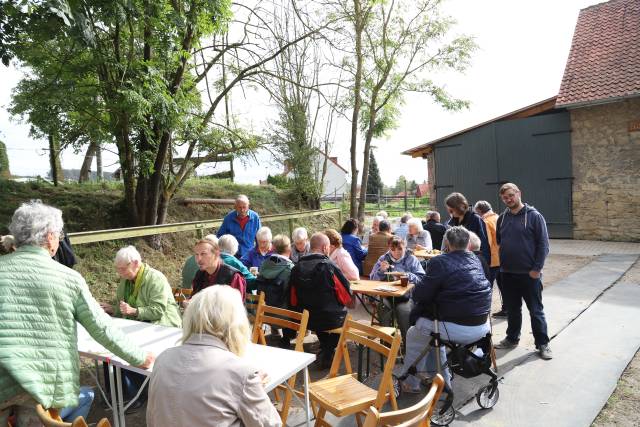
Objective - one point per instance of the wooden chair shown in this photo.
(51, 418)
(268, 315)
(181, 294)
(251, 303)
(378, 245)
(418, 415)
(343, 395)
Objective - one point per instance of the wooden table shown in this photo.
(425, 254)
(368, 287)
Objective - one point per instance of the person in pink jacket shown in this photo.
(340, 256)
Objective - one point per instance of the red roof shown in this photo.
(422, 189)
(604, 61)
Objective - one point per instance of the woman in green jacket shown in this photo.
(40, 302)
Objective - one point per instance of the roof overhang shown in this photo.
(596, 102)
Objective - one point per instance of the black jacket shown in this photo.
(472, 222)
(455, 285)
(436, 230)
(64, 255)
(224, 277)
(313, 288)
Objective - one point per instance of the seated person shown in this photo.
(375, 227)
(205, 381)
(397, 260)
(417, 238)
(300, 246)
(352, 243)
(474, 246)
(212, 271)
(435, 228)
(340, 256)
(255, 256)
(403, 229)
(273, 277)
(456, 289)
(190, 267)
(378, 245)
(228, 248)
(85, 400)
(319, 286)
(7, 244)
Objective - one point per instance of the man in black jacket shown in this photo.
(457, 293)
(319, 286)
(435, 228)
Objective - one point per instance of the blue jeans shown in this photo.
(518, 287)
(85, 399)
(419, 336)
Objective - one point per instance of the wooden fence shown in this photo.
(198, 226)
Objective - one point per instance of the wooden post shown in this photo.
(340, 218)
(378, 199)
(290, 222)
(405, 194)
(335, 197)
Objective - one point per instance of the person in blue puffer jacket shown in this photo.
(456, 292)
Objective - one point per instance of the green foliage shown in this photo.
(279, 181)
(5, 172)
(374, 184)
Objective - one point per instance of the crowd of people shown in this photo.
(298, 272)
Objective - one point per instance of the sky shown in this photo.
(523, 48)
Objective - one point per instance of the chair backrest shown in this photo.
(378, 245)
(380, 342)
(251, 303)
(268, 315)
(51, 418)
(181, 294)
(418, 415)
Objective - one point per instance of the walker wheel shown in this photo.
(488, 395)
(443, 414)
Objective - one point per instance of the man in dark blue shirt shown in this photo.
(524, 245)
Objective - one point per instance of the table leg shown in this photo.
(114, 398)
(120, 396)
(306, 396)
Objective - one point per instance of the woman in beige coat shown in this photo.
(204, 382)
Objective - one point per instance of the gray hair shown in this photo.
(383, 214)
(416, 222)
(264, 233)
(384, 225)
(299, 234)
(378, 219)
(405, 217)
(127, 255)
(242, 198)
(33, 221)
(457, 238)
(228, 244)
(482, 206)
(474, 242)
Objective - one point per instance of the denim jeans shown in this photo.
(494, 274)
(419, 336)
(518, 287)
(85, 399)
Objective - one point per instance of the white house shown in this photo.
(335, 180)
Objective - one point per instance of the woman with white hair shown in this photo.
(205, 381)
(256, 255)
(418, 238)
(228, 245)
(300, 245)
(39, 359)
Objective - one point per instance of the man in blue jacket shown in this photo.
(522, 235)
(242, 223)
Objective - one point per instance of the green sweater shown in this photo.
(155, 302)
(40, 302)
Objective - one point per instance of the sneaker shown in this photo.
(500, 314)
(545, 352)
(506, 344)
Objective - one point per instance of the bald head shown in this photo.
(319, 244)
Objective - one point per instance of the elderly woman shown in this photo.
(418, 238)
(39, 359)
(456, 287)
(205, 381)
(256, 255)
(340, 256)
(300, 246)
(397, 260)
(7, 244)
(375, 227)
(351, 242)
(228, 248)
(403, 229)
(213, 271)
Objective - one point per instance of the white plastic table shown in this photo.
(277, 363)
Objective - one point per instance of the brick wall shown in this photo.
(606, 168)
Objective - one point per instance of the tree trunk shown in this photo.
(356, 106)
(99, 172)
(54, 160)
(85, 170)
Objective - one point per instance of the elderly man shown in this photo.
(300, 246)
(213, 271)
(435, 228)
(255, 256)
(190, 267)
(39, 359)
(319, 286)
(242, 223)
(454, 291)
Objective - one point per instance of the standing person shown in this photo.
(462, 214)
(213, 271)
(242, 223)
(255, 256)
(524, 246)
(435, 228)
(403, 229)
(340, 256)
(483, 208)
(352, 243)
(39, 359)
(319, 286)
(300, 245)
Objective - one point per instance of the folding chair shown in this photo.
(268, 315)
(343, 395)
(251, 303)
(181, 294)
(51, 418)
(418, 415)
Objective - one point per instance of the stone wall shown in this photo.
(606, 170)
(431, 178)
